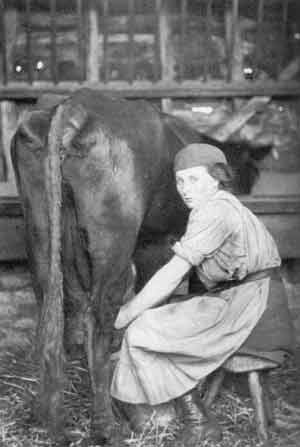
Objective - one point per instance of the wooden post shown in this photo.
(208, 21)
(233, 40)
(167, 52)
(157, 39)
(105, 60)
(234, 44)
(81, 40)
(10, 20)
(280, 55)
(8, 122)
(131, 26)
(183, 20)
(53, 15)
(3, 66)
(28, 14)
(94, 49)
(214, 387)
(256, 392)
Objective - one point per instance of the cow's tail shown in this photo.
(51, 326)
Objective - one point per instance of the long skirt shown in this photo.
(168, 349)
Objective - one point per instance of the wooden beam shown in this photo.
(29, 41)
(80, 42)
(53, 15)
(167, 51)
(208, 22)
(280, 54)
(130, 40)
(263, 205)
(105, 19)
(12, 239)
(94, 54)
(8, 120)
(233, 41)
(3, 65)
(157, 61)
(183, 20)
(144, 89)
(10, 29)
(280, 215)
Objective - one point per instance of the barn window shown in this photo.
(136, 41)
(44, 41)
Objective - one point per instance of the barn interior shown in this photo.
(229, 68)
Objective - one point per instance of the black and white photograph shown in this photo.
(149, 223)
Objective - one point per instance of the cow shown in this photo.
(95, 179)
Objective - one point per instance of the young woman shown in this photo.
(168, 349)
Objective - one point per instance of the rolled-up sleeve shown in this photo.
(206, 232)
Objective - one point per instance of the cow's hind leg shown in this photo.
(98, 349)
(99, 336)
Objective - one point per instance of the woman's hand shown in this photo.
(157, 289)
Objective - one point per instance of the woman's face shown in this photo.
(195, 185)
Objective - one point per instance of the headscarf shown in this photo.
(198, 154)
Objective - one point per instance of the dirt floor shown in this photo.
(19, 382)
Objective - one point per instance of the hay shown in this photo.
(233, 409)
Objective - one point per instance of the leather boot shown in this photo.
(199, 423)
(137, 416)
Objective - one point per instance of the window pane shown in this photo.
(30, 51)
(114, 25)
(270, 33)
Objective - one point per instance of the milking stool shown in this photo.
(257, 371)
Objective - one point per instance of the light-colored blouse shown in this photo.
(224, 240)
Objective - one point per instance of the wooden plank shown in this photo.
(167, 51)
(157, 61)
(80, 34)
(12, 239)
(4, 72)
(207, 37)
(69, 38)
(234, 51)
(123, 38)
(277, 205)
(239, 118)
(291, 70)
(131, 25)
(276, 183)
(8, 189)
(8, 120)
(285, 230)
(283, 205)
(94, 51)
(54, 74)
(68, 21)
(283, 227)
(281, 215)
(10, 28)
(183, 19)
(280, 54)
(161, 89)
(234, 44)
(105, 19)
(29, 41)
(259, 30)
